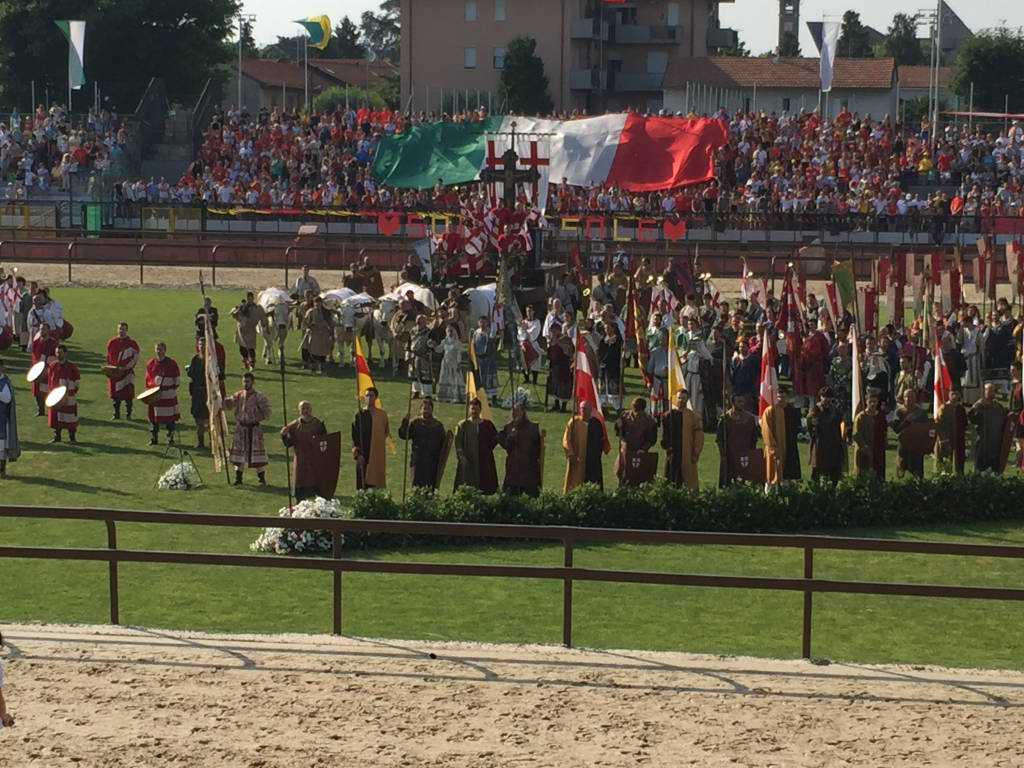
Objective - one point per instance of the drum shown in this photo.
(149, 396)
(110, 371)
(65, 330)
(6, 337)
(56, 397)
(36, 371)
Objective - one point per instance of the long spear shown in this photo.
(284, 415)
(216, 425)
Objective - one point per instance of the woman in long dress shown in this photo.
(451, 387)
(483, 348)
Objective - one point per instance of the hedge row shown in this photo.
(801, 508)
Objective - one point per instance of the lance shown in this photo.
(284, 415)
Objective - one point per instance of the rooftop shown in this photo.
(777, 72)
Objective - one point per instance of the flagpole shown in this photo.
(408, 439)
(284, 417)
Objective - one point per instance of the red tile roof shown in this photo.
(917, 76)
(776, 72)
(277, 72)
(353, 71)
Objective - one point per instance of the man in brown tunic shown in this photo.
(521, 438)
(296, 434)
(637, 432)
(736, 437)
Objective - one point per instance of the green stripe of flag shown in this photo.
(421, 155)
(74, 32)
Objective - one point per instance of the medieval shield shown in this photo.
(325, 459)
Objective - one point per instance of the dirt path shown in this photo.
(112, 697)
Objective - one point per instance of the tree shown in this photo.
(344, 42)
(740, 49)
(993, 60)
(853, 38)
(523, 85)
(127, 42)
(901, 40)
(789, 44)
(248, 41)
(380, 30)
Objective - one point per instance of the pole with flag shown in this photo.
(364, 380)
(318, 28)
(768, 393)
(74, 31)
(829, 43)
(856, 384)
(584, 388)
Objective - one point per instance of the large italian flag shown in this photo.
(634, 152)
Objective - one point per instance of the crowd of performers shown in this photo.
(947, 384)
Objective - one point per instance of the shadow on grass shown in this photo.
(67, 485)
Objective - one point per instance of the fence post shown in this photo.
(336, 554)
(142, 256)
(567, 597)
(112, 574)
(287, 252)
(805, 651)
(213, 265)
(71, 247)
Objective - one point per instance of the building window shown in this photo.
(672, 15)
(499, 58)
(657, 62)
(785, 105)
(470, 10)
(499, 10)
(470, 58)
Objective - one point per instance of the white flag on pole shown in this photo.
(829, 41)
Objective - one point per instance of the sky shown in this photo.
(756, 20)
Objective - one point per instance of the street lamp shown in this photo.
(243, 19)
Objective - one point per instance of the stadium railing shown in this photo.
(567, 572)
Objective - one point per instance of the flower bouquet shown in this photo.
(520, 396)
(182, 476)
(284, 541)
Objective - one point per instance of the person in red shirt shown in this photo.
(123, 353)
(162, 371)
(62, 373)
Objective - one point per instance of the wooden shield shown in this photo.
(442, 460)
(919, 437)
(751, 468)
(325, 459)
(640, 468)
(1004, 448)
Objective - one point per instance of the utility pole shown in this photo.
(243, 20)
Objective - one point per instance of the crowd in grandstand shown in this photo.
(44, 150)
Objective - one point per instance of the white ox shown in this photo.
(274, 326)
(384, 314)
(480, 304)
(353, 319)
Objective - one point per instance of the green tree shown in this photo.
(740, 49)
(344, 43)
(789, 44)
(523, 85)
(248, 41)
(901, 40)
(380, 30)
(127, 42)
(993, 60)
(853, 38)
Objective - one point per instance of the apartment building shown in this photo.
(597, 55)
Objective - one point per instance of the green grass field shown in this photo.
(113, 467)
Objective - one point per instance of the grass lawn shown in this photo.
(113, 467)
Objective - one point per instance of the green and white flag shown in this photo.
(74, 31)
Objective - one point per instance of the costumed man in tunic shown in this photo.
(427, 435)
(869, 439)
(529, 341)
(319, 326)
(951, 445)
(295, 435)
(206, 314)
(475, 438)
(909, 412)
(10, 447)
(682, 437)
(520, 437)
(247, 446)
(373, 281)
(122, 352)
(560, 359)
(248, 316)
(43, 347)
(162, 371)
(777, 440)
(62, 373)
(638, 433)
(196, 373)
(989, 419)
(583, 442)
(657, 370)
(421, 346)
(736, 436)
(828, 450)
(305, 282)
(370, 431)
(483, 348)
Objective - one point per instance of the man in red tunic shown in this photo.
(61, 373)
(162, 371)
(123, 353)
(43, 347)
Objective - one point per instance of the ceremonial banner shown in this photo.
(769, 387)
(856, 382)
(943, 381)
(676, 381)
(585, 386)
(364, 379)
(842, 275)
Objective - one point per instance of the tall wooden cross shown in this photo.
(510, 175)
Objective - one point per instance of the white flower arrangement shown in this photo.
(521, 396)
(283, 541)
(182, 476)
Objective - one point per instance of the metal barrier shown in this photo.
(567, 573)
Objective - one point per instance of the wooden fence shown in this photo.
(567, 573)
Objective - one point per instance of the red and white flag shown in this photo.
(943, 381)
(1014, 254)
(833, 302)
(768, 392)
(867, 306)
(585, 386)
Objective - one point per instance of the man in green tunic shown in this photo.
(475, 438)
(989, 419)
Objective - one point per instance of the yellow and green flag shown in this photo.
(319, 30)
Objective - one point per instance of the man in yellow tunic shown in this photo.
(682, 437)
(583, 442)
(370, 432)
(773, 432)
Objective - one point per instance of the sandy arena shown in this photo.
(111, 696)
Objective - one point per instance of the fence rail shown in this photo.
(567, 573)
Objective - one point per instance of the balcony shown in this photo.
(588, 29)
(587, 79)
(722, 37)
(662, 33)
(638, 81)
(631, 33)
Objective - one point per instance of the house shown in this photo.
(597, 55)
(779, 84)
(282, 82)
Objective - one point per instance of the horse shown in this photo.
(277, 321)
(386, 308)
